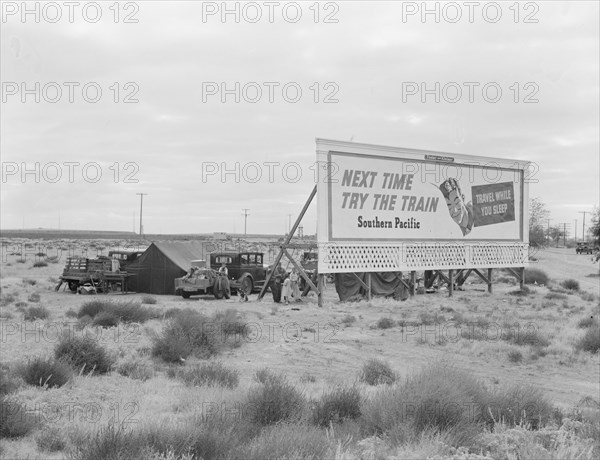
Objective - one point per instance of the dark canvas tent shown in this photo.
(382, 284)
(156, 269)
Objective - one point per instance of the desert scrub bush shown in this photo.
(106, 319)
(135, 368)
(83, 354)
(517, 405)
(266, 375)
(275, 401)
(348, 320)
(427, 319)
(586, 322)
(288, 441)
(439, 397)
(570, 284)
(337, 405)
(127, 312)
(209, 374)
(148, 299)
(536, 276)
(50, 439)
(46, 372)
(110, 442)
(40, 264)
(515, 356)
(7, 299)
(15, 419)
(33, 297)
(186, 333)
(229, 323)
(527, 336)
(590, 340)
(38, 312)
(377, 372)
(29, 281)
(555, 296)
(70, 313)
(385, 323)
(8, 383)
(525, 291)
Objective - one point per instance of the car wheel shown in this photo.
(185, 294)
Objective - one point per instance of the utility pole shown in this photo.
(575, 237)
(584, 213)
(548, 233)
(245, 218)
(141, 209)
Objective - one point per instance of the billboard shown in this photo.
(371, 195)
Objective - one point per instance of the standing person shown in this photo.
(223, 269)
(286, 291)
(294, 278)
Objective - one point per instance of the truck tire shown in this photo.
(73, 285)
(185, 294)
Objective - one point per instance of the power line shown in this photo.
(245, 218)
(584, 213)
(141, 209)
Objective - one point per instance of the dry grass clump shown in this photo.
(276, 400)
(46, 372)
(536, 276)
(348, 320)
(148, 299)
(135, 368)
(385, 323)
(209, 374)
(570, 284)
(37, 312)
(33, 297)
(83, 354)
(590, 340)
(587, 322)
(127, 312)
(40, 264)
(189, 332)
(336, 405)
(377, 372)
(15, 419)
(50, 439)
(8, 382)
(439, 397)
(287, 441)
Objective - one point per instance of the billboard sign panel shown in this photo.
(374, 195)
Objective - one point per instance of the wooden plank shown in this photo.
(362, 283)
(413, 283)
(450, 282)
(490, 280)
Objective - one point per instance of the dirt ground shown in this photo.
(321, 347)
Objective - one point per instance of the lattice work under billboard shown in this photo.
(399, 205)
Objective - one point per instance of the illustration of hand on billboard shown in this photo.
(460, 212)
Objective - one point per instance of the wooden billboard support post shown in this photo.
(283, 251)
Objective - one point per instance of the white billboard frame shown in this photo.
(340, 253)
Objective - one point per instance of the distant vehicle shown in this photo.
(125, 257)
(100, 273)
(584, 248)
(246, 269)
(202, 280)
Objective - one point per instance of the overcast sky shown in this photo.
(360, 57)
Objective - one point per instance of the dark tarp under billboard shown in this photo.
(385, 284)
